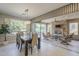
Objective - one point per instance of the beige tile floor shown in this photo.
(48, 48)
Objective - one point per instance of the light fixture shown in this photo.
(25, 13)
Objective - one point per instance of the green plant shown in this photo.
(4, 29)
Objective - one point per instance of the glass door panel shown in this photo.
(40, 28)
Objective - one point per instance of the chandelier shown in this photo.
(25, 13)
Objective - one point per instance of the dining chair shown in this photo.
(19, 41)
(67, 39)
(34, 41)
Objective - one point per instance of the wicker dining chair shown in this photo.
(34, 41)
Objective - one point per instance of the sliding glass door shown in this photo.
(39, 28)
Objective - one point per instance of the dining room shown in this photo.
(51, 30)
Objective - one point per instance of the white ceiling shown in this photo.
(35, 9)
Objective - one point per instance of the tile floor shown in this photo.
(48, 48)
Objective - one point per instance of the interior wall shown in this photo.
(1, 20)
(53, 27)
(63, 26)
(73, 21)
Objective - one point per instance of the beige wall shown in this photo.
(1, 20)
(72, 21)
(62, 23)
(65, 24)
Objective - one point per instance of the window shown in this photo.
(40, 28)
(37, 27)
(73, 28)
(18, 25)
(43, 28)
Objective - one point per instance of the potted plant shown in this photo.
(4, 30)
